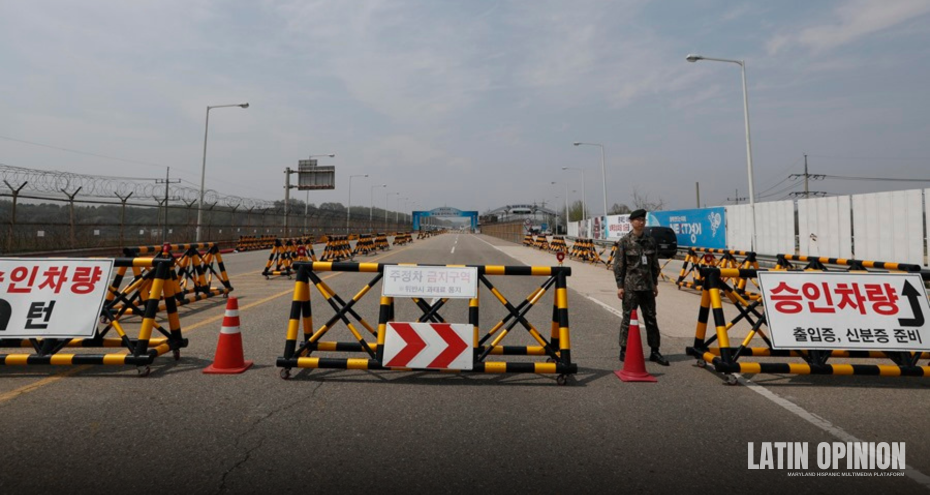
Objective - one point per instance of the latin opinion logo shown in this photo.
(835, 455)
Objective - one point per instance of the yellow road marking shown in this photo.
(7, 396)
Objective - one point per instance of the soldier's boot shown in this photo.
(656, 357)
(622, 353)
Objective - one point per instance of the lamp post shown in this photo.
(584, 214)
(397, 211)
(371, 206)
(413, 204)
(603, 170)
(752, 194)
(203, 167)
(307, 202)
(566, 205)
(349, 206)
(387, 196)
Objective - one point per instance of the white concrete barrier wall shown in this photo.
(825, 227)
(775, 227)
(739, 228)
(888, 226)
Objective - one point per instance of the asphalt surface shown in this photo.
(106, 430)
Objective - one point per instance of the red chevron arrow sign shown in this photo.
(428, 346)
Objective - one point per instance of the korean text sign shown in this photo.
(846, 310)
(704, 227)
(430, 281)
(52, 298)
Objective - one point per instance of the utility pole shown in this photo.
(736, 199)
(697, 190)
(807, 177)
(166, 182)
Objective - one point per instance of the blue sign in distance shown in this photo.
(703, 227)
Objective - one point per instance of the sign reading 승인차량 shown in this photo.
(430, 281)
(844, 310)
(52, 298)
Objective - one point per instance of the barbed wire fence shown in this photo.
(53, 211)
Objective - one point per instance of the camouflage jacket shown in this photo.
(636, 265)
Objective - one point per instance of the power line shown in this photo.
(883, 179)
(69, 150)
(906, 158)
(785, 170)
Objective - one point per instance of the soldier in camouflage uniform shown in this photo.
(636, 268)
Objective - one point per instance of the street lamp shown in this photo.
(203, 167)
(584, 214)
(752, 194)
(566, 205)
(397, 211)
(387, 196)
(371, 206)
(307, 202)
(349, 207)
(603, 170)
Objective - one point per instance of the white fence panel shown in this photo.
(739, 228)
(825, 227)
(573, 229)
(888, 226)
(775, 227)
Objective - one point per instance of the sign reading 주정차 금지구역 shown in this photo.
(846, 310)
(457, 282)
(52, 298)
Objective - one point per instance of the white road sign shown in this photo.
(430, 281)
(428, 346)
(54, 298)
(846, 310)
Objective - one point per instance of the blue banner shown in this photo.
(704, 227)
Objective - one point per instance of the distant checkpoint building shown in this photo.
(537, 218)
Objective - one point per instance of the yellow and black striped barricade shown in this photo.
(337, 248)
(402, 239)
(299, 349)
(196, 268)
(140, 351)
(729, 359)
(253, 243)
(381, 242)
(282, 255)
(365, 245)
(794, 262)
(542, 242)
(528, 240)
(698, 258)
(558, 244)
(584, 250)
(613, 255)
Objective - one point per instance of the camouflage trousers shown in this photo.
(645, 301)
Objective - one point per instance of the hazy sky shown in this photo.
(472, 104)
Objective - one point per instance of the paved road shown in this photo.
(106, 430)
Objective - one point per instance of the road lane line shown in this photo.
(821, 423)
(7, 396)
(791, 407)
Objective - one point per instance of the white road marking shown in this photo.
(453, 249)
(821, 423)
(791, 407)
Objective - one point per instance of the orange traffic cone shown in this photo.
(634, 366)
(229, 359)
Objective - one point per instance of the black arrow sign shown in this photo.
(914, 297)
